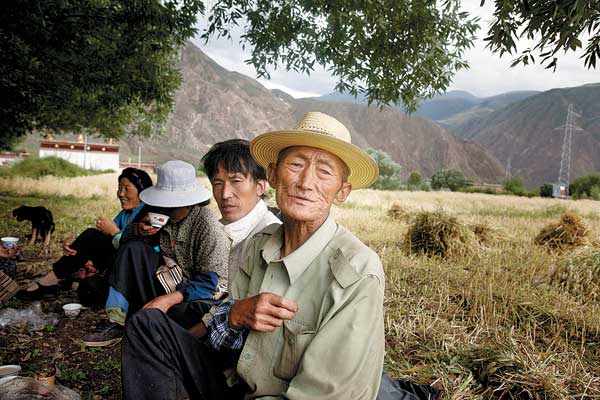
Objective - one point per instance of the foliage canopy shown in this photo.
(551, 26)
(389, 171)
(104, 66)
(586, 187)
(448, 178)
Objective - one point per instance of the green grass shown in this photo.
(35, 167)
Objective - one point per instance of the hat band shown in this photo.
(178, 188)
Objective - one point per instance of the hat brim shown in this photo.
(154, 196)
(363, 170)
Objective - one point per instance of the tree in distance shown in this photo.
(514, 185)
(415, 181)
(449, 179)
(389, 171)
(546, 190)
(586, 187)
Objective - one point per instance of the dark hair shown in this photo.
(140, 179)
(233, 156)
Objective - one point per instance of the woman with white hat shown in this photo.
(193, 239)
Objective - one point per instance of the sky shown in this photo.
(488, 74)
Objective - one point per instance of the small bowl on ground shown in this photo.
(158, 220)
(9, 242)
(9, 370)
(72, 310)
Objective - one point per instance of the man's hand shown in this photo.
(106, 226)
(262, 313)
(199, 330)
(67, 250)
(166, 301)
(144, 228)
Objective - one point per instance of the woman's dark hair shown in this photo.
(140, 179)
(233, 156)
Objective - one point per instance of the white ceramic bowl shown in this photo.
(9, 241)
(158, 220)
(9, 370)
(72, 310)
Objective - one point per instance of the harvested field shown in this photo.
(495, 324)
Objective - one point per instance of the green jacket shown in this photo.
(334, 347)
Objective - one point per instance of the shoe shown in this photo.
(107, 333)
(41, 293)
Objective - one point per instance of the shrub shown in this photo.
(546, 190)
(515, 186)
(448, 178)
(389, 171)
(586, 187)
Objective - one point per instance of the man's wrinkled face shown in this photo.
(235, 193)
(308, 181)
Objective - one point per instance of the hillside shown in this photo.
(214, 104)
(451, 109)
(530, 133)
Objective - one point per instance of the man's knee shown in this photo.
(145, 320)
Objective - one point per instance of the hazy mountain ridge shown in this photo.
(530, 132)
(450, 109)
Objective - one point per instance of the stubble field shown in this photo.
(489, 323)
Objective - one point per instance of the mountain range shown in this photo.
(214, 104)
(524, 130)
(521, 130)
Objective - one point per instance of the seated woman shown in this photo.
(96, 245)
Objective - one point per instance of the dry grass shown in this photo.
(439, 234)
(568, 233)
(486, 326)
(578, 273)
(399, 213)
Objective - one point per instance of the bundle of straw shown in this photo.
(568, 233)
(398, 212)
(437, 233)
(578, 273)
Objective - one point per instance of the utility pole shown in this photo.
(564, 174)
(508, 168)
(139, 156)
(85, 142)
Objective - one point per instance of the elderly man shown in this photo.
(307, 305)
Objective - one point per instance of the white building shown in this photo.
(97, 156)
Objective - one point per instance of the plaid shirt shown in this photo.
(219, 332)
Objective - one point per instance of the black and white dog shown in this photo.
(42, 223)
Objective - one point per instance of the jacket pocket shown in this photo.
(296, 339)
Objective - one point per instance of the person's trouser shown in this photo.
(134, 274)
(161, 360)
(91, 245)
(134, 277)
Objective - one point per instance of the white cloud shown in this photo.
(489, 74)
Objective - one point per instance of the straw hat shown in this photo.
(176, 186)
(323, 132)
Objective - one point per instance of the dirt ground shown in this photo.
(93, 372)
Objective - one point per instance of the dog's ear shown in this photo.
(17, 211)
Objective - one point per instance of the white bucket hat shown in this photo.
(176, 186)
(323, 132)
